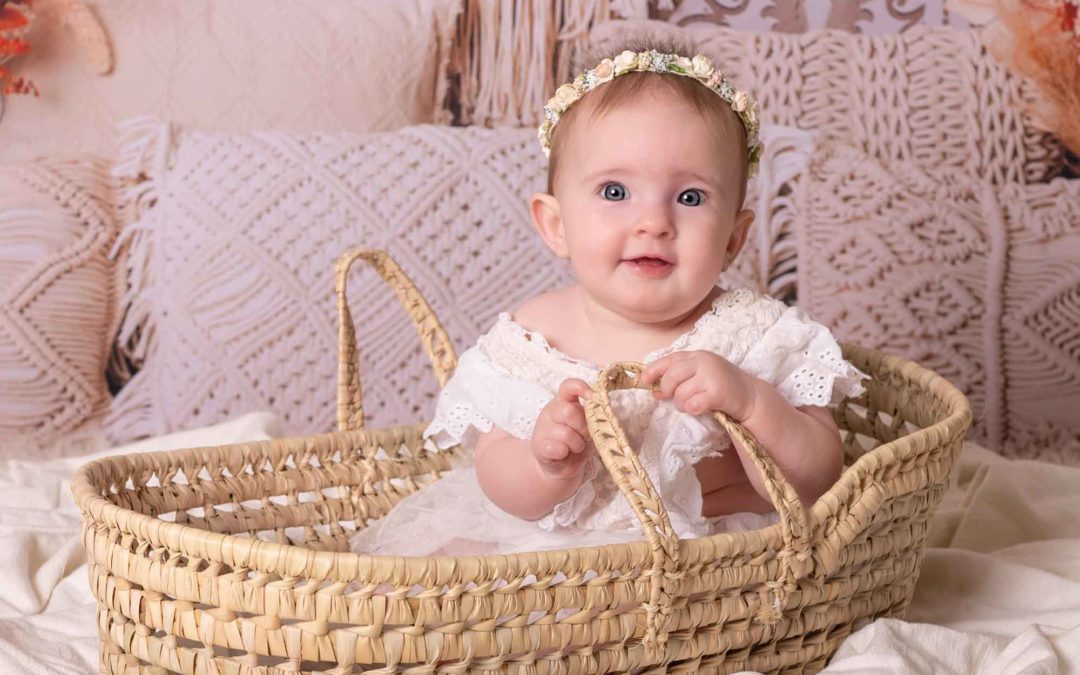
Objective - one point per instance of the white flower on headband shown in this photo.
(699, 67)
(625, 62)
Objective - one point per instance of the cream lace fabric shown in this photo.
(512, 373)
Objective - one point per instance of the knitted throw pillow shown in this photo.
(931, 95)
(57, 315)
(231, 254)
(980, 283)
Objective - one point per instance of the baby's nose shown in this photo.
(657, 224)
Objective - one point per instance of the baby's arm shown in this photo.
(804, 442)
(527, 478)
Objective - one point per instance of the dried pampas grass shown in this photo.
(1039, 40)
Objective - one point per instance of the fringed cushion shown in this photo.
(57, 300)
(978, 283)
(230, 256)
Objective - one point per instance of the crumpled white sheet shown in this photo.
(890, 646)
(48, 621)
(999, 591)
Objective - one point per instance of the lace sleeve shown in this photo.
(802, 359)
(479, 397)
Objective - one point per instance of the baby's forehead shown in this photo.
(668, 120)
(667, 127)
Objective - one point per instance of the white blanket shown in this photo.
(48, 621)
(999, 592)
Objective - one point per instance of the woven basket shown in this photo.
(184, 583)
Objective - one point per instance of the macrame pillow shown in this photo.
(978, 282)
(332, 65)
(231, 304)
(57, 300)
(931, 95)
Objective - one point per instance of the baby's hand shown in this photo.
(561, 435)
(701, 381)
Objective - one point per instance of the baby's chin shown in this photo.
(653, 310)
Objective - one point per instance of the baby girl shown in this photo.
(649, 154)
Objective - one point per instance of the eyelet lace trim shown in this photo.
(512, 372)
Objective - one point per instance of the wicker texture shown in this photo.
(1003, 323)
(194, 568)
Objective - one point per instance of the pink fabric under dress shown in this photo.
(512, 373)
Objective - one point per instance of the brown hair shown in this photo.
(721, 119)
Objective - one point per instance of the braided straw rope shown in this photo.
(234, 559)
(436, 342)
(622, 462)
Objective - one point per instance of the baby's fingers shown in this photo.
(552, 450)
(678, 373)
(570, 415)
(559, 441)
(572, 389)
(656, 370)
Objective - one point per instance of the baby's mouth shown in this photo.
(649, 261)
(649, 265)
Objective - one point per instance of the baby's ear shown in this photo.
(739, 233)
(547, 217)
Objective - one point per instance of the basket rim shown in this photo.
(295, 561)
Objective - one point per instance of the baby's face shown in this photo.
(647, 199)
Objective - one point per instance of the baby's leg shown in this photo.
(726, 489)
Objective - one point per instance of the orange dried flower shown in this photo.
(15, 17)
(1040, 41)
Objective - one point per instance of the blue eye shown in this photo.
(691, 198)
(613, 192)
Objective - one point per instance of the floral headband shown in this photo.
(700, 68)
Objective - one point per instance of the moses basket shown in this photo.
(235, 559)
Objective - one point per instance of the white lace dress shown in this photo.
(512, 373)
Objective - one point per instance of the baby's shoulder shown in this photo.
(543, 313)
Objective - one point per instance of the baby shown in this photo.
(649, 154)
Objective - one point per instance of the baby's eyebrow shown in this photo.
(608, 173)
(620, 172)
(697, 177)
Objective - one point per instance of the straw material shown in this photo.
(235, 559)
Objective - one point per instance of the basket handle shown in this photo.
(350, 408)
(622, 462)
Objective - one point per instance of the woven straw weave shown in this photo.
(234, 559)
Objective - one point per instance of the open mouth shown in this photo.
(650, 265)
(648, 261)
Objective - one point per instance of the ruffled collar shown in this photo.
(535, 340)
